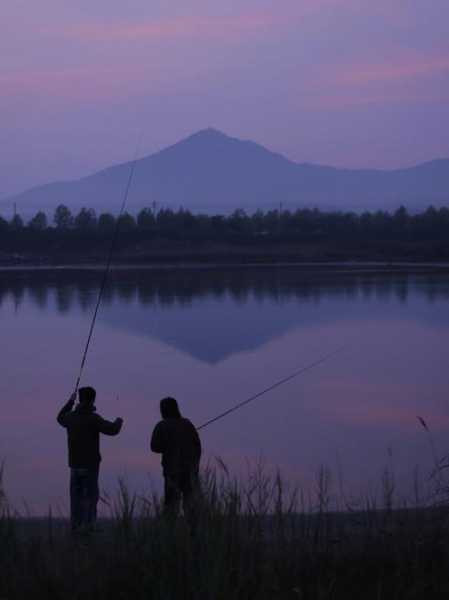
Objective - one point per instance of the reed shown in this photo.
(255, 538)
(3, 501)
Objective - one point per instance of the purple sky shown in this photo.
(344, 82)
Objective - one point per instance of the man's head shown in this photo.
(169, 408)
(86, 396)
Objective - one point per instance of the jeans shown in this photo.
(84, 495)
(185, 486)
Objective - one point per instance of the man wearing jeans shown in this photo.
(178, 441)
(84, 426)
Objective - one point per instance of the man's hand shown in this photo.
(119, 421)
(66, 409)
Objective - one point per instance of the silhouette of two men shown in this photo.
(174, 437)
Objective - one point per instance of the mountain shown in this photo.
(213, 172)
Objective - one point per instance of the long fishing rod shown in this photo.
(108, 267)
(270, 388)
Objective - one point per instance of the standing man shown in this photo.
(178, 441)
(84, 426)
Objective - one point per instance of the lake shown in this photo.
(212, 337)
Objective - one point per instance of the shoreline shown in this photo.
(350, 266)
(164, 253)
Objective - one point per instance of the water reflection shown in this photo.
(212, 338)
(179, 287)
(204, 312)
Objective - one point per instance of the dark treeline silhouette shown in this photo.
(88, 234)
(303, 224)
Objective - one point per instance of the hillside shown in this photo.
(212, 172)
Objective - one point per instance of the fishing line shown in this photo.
(271, 387)
(108, 266)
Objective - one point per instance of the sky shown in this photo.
(350, 83)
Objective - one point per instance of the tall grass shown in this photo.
(252, 539)
(3, 502)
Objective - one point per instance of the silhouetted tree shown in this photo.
(146, 219)
(63, 218)
(16, 222)
(258, 220)
(218, 225)
(166, 222)
(86, 219)
(126, 222)
(39, 221)
(240, 224)
(106, 223)
(4, 225)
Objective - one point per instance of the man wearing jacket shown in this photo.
(84, 427)
(178, 441)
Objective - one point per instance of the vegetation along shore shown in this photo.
(166, 236)
(255, 539)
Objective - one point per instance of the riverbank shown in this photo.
(257, 539)
(234, 551)
(162, 252)
(304, 267)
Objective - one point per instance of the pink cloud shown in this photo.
(410, 69)
(339, 87)
(76, 84)
(207, 26)
(174, 28)
(337, 100)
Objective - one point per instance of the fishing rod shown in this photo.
(271, 387)
(108, 266)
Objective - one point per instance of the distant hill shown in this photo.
(210, 171)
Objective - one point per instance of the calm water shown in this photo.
(212, 338)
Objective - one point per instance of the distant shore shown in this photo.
(335, 267)
(181, 253)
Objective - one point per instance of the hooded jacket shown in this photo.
(84, 426)
(179, 443)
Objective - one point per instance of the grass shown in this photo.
(253, 540)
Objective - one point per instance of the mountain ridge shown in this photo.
(213, 172)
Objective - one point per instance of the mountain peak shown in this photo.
(207, 134)
(212, 171)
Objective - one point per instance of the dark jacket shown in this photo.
(83, 434)
(179, 443)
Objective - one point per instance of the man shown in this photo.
(84, 426)
(178, 441)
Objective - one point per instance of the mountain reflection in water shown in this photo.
(212, 314)
(213, 337)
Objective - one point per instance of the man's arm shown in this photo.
(157, 439)
(65, 410)
(109, 427)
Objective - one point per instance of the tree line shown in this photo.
(300, 225)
